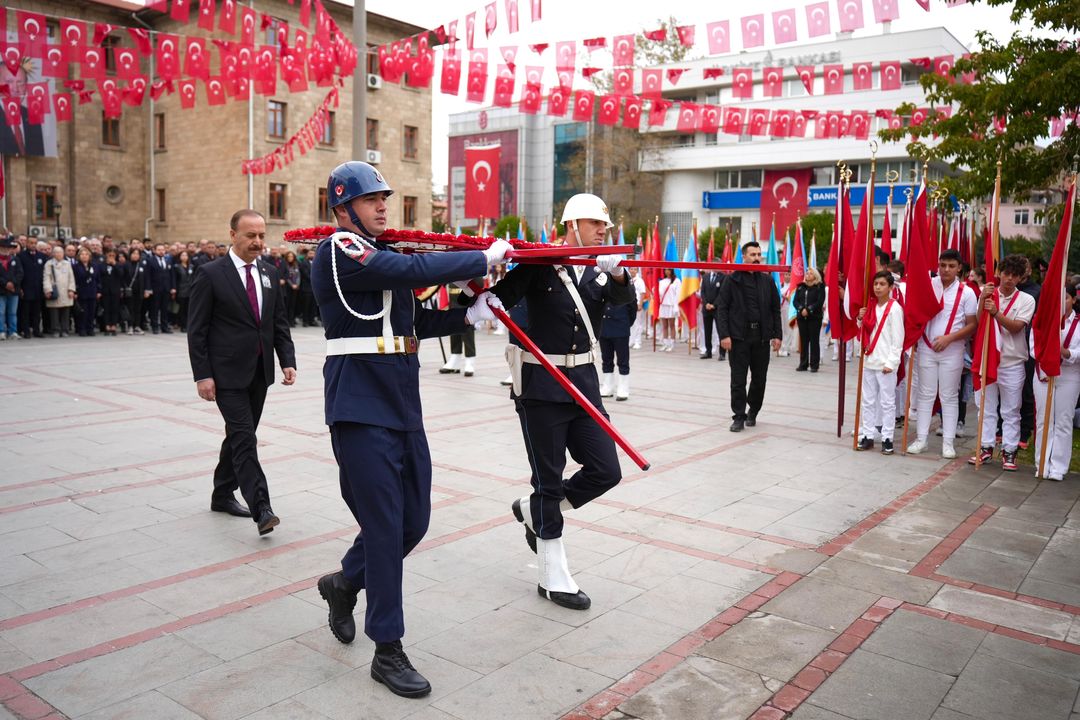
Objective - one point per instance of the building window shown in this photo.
(1039, 218)
(159, 203)
(159, 131)
(823, 175)
(372, 60)
(110, 131)
(272, 28)
(277, 201)
(45, 202)
(408, 211)
(275, 119)
(324, 206)
(327, 137)
(109, 45)
(372, 134)
(412, 141)
(1020, 216)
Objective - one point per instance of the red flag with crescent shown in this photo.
(784, 196)
(482, 181)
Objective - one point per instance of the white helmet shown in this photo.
(585, 206)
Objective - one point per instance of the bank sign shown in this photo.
(821, 197)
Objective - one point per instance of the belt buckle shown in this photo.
(571, 361)
(380, 344)
(411, 344)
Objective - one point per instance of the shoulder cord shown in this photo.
(572, 289)
(388, 295)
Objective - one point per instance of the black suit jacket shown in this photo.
(731, 311)
(223, 334)
(161, 278)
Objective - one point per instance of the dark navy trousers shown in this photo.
(385, 480)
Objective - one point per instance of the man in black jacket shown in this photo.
(236, 319)
(32, 302)
(711, 283)
(161, 287)
(748, 319)
(11, 277)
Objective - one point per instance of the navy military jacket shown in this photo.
(376, 389)
(555, 324)
(33, 265)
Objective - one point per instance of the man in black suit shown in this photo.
(161, 286)
(236, 319)
(710, 292)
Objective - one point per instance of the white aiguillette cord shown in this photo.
(572, 289)
(356, 254)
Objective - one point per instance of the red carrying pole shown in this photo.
(572, 389)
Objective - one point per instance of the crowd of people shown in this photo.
(98, 286)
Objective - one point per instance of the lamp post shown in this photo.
(58, 207)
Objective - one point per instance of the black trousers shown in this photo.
(86, 317)
(466, 339)
(751, 354)
(181, 315)
(238, 464)
(612, 349)
(307, 308)
(1027, 402)
(159, 310)
(111, 303)
(708, 317)
(550, 429)
(29, 315)
(809, 340)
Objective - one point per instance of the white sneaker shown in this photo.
(960, 429)
(917, 447)
(948, 451)
(636, 346)
(783, 353)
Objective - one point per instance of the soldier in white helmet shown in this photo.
(565, 304)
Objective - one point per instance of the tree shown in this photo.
(509, 224)
(1027, 82)
(822, 224)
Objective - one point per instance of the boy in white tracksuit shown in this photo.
(1012, 310)
(883, 344)
(1066, 391)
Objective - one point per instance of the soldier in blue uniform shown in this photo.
(372, 322)
(564, 304)
(615, 348)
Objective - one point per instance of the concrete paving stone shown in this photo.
(821, 604)
(355, 694)
(5, 715)
(645, 566)
(448, 562)
(876, 580)
(786, 530)
(33, 517)
(874, 687)
(101, 549)
(940, 500)
(135, 497)
(891, 547)
(357, 653)
(1002, 611)
(85, 628)
(1002, 496)
(996, 689)
(698, 536)
(684, 602)
(630, 521)
(1057, 592)
(613, 644)
(46, 590)
(209, 591)
(254, 628)
(924, 521)
(986, 568)
(311, 561)
(535, 686)
(769, 645)
(25, 541)
(749, 515)
(602, 542)
(605, 594)
(700, 687)
(140, 518)
(1037, 657)
(1043, 530)
(1011, 543)
(808, 711)
(115, 677)
(192, 552)
(12, 658)
(471, 512)
(1035, 515)
(698, 501)
(913, 638)
(287, 710)
(252, 682)
(149, 705)
(728, 575)
(472, 594)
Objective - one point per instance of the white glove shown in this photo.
(610, 264)
(481, 309)
(496, 252)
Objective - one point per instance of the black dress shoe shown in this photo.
(341, 598)
(167, 331)
(802, 368)
(706, 356)
(268, 521)
(813, 369)
(751, 420)
(392, 668)
(229, 505)
(530, 536)
(572, 601)
(737, 425)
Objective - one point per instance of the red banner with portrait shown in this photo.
(482, 181)
(785, 195)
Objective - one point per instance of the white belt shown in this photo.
(371, 345)
(566, 361)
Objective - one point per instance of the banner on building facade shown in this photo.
(482, 181)
(784, 197)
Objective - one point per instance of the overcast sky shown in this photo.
(577, 19)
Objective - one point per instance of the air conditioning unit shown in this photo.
(65, 233)
(374, 157)
(374, 82)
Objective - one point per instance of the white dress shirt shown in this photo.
(255, 274)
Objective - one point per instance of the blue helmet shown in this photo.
(351, 180)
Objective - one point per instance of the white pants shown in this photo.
(637, 328)
(1059, 450)
(1009, 389)
(878, 403)
(939, 376)
(900, 396)
(789, 336)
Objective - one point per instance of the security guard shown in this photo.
(372, 321)
(564, 304)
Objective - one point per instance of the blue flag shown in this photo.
(773, 257)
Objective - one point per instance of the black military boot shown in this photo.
(341, 598)
(392, 668)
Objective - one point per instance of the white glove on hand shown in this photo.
(481, 309)
(496, 252)
(610, 264)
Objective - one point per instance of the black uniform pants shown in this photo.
(1027, 402)
(750, 354)
(708, 319)
(467, 338)
(549, 430)
(29, 315)
(612, 349)
(238, 464)
(809, 340)
(159, 310)
(307, 308)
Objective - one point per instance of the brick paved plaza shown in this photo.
(757, 575)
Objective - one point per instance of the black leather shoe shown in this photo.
(802, 368)
(392, 668)
(751, 420)
(167, 331)
(737, 425)
(530, 536)
(268, 521)
(229, 505)
(341, 598)
(573, 601)
(706, 356)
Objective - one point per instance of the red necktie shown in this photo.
(253, 298)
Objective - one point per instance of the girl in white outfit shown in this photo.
(669, 307)
(882, 328)
(1066, 391)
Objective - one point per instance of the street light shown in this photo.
(58, 207)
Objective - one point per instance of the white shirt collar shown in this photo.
(238, 263)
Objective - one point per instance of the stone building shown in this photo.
(173, 175)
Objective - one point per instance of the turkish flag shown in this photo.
(159, 88)
(206, 15)
(719, 37)
(712, 73)
(72, 39)
(622, 81)
(135, 91)
(806, 74)
(512, 16)
(508, 52)
(609, 110)
(37, 102)
(734, 119)
(659, 35)
(247, 26)
(817, 19)
(227, 18)
(127, 63)
(1046, 324)
(851, 14)
(141, 38)
(890, 75)
(305, 12)
(62, 106)
(689, 117)
(583, 105)
(943, 65)
(54, 65)
(12, 110)
(862, 75)
(742, 83)
(266, 70)
(631, 118)
(558, 99)
(710, 119)
(834, 79)
(781, 123)
(832, 123)
(798, 124)
(886, 10)
(491, 19)
(93, 63)
(12, 55)
(476, 83)
(167, 60)
(186, 88)
(112, 104)
(32, 31)
(504, 87)
(535, 9)
(482, 181)
(759, 122)
(658, 112)
(783, 23)
(215, 91)
(772, 81)
(651, 82)
(784, 197)
(686, 35)
(101, 31)
(292, 72)
(860, 124)
(197, 59)
(180, 10)
(565, 55)
(530, 99)
(622, 50)
(753, 31)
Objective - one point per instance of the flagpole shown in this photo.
(864, 301)
(907, 399)
(654, 309)
(985, 317)
(845, 178)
